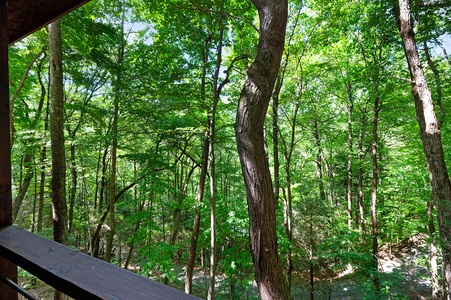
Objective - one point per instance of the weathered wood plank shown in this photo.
(77, 274)
(27, 16)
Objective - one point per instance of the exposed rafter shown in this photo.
(27, 16)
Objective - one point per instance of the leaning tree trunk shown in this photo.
(57, 138)
(252, 108)
(430, 136)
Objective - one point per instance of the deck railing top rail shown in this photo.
(77, 274)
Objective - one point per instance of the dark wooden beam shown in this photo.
(27, 16)
(5, 140)
(7, 268)
(77, 274)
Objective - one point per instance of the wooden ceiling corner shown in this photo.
(27, 16)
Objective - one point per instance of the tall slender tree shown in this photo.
(252, 107)
(57, 138)
(430, 135)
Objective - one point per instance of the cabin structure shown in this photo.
(74, 273)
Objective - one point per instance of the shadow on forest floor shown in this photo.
(401, 273)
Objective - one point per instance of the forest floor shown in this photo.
(401, 266)
(403, 275)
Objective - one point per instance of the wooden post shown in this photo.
(7, 269)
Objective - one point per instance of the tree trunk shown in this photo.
(350, 155)
(217, 88)
(112, 187)
(202, 179)
(131, 244)
(275, 141)
(430, 136)
(103, 184)
(27, 164)
(57, 138)
(114, 132)
(287, 192)
(211, 287)
(42, 159)
(73, 166)
(180, 196)
(360, 177)
(374, 186)
(57, 135)
(252, 108)
(94, 249)
(288, 217)
(319, 160)
(73, 187)
(433, 255)
(196, 224)
(311, 270)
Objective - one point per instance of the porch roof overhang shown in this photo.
(27, 16)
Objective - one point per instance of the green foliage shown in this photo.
(339, 54)
(157, 261)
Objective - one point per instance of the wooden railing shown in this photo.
(76, 274)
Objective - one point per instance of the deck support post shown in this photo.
(7, 269)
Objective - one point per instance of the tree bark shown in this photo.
(430, 136)
(27, 165)
(57, 138)
(131, 244)
(196, 223)
(202, 180)
(288, 149)
(252, 108)
(433, 255)
(211, 287)
(360, 176)
(73, 186)
(319, 160)
(94, 249)
(374, 186)
(112, 186)
(57, 135)
(43, 157)
(217, 88)
(114, 142)
(350, 155)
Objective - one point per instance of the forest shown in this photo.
(242, 149)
